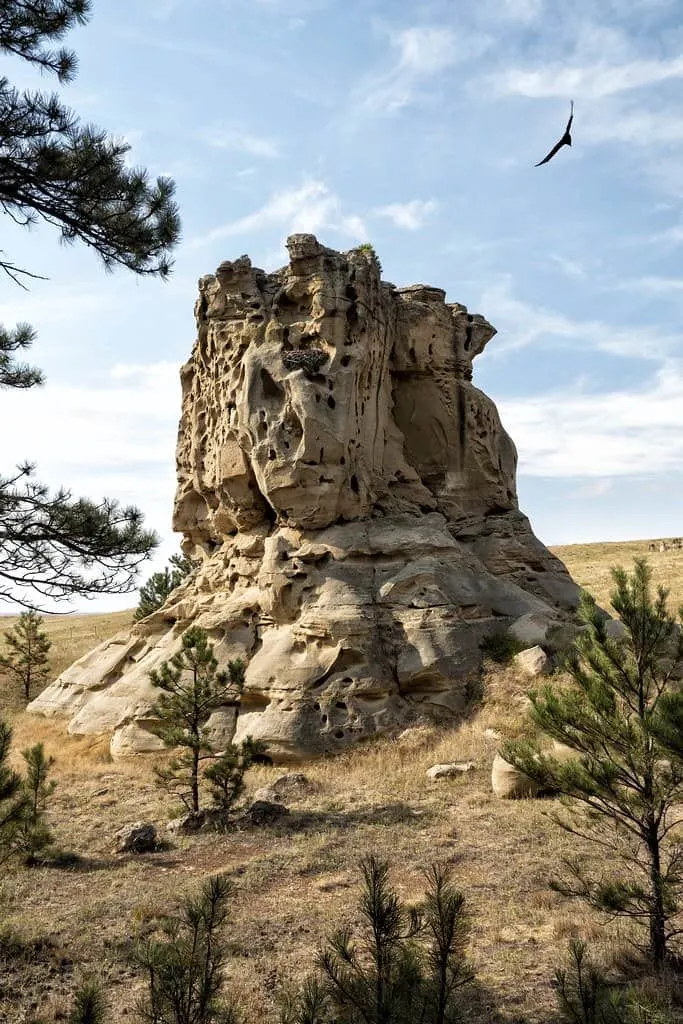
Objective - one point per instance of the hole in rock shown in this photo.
(271, 454)
(342, 461)
(317, 398)
(341, 704)
(270, 388)
(331, 402)
(338, 734)
(345, 360)
(322, 455)
(316, 707)
(354, 484)
(323, 718)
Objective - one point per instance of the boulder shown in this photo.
(133, 738)
(449, 771)
(351, 496)
(615, 629)
(262, 812)
(532, 629)
(508, 783)
(290, 784)
(533, 662)
(138, 838)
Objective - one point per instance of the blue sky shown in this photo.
(415, 127)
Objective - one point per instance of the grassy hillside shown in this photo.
(297, 880)
(590, 566)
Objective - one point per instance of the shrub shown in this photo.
(500, 647)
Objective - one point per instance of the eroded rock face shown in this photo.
(352, 498)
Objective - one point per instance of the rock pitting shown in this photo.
(351, 495)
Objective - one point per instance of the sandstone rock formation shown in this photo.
(352, 497)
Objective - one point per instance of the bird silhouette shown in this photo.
(566, 140)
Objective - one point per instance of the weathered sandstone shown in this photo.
(351, 496)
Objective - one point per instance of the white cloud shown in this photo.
(523, 10)
(588, 81)
(115, 437)
(411, 215)
(670, 237)
(308, 208)
(635, 128)
(422, 52)
(520, 324)
(52, 305)
(236, 140)
(656, 285)
(572, 268)
(612, 434)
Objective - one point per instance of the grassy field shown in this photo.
(590, 566)
(297, 880)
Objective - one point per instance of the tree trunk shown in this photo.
(657, 915)
(195, 780)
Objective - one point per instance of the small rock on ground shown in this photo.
(449, 771)
(138, 838)
(534, 661)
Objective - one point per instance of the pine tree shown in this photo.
(14, 801)
(160, 584)
(75, 177)
(89, 1005)
(226, 774)
(192, 688)
(26, 659)
(389, 976)
(185, 967)
(34, 836)
(621, 716)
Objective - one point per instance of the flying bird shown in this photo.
(566, 140)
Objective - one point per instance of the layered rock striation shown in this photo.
(351, 496)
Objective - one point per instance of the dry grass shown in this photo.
(72, 636)
(297, 880)
(590, 566)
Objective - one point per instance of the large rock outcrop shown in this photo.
(351, 495)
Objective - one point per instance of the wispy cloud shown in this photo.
(310, 207)
(644, 127)
(588, 81)
(421, 52)
(614, 434)
(237, 140)
(523, 10)
(411, 215)
(655, 285)
(521, 324)
(572, 268)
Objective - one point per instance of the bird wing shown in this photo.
(552, 153)
(571, 118)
